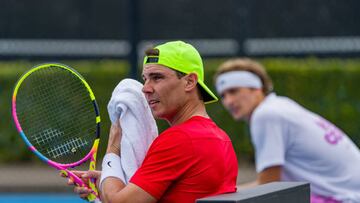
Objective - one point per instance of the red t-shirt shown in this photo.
(189, 161)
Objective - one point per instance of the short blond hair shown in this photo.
(246, 64)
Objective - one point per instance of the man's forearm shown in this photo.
(247, 185)
(110, 187)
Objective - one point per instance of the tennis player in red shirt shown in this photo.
(193, 158)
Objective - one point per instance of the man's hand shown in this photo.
(83, 192)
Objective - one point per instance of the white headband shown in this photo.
(237, 79)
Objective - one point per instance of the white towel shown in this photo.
(129, 105)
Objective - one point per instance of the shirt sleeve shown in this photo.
(169, 157)
(268, 135)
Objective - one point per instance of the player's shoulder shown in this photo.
(173, 131)
(272, 103)
(273, 107)
(188, 129)
(173, 134)
(170, 140)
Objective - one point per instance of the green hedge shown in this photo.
(325, 86)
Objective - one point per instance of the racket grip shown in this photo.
(78, 182)
(95, 193)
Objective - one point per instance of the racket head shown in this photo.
(56, 114)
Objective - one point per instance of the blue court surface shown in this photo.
(40, 198)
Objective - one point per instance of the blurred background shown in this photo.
(311, 49)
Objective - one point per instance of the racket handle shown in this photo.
(95, 193)
(92, 181)
(78, 182)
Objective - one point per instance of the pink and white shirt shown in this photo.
(308, 147)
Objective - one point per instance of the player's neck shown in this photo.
(259, 100)
(189, 110)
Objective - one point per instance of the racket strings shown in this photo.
(57, 114)
(67, 147)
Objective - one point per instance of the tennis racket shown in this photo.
(55, 113)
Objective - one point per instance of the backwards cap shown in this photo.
(184, 58)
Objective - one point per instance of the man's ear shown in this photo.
(191, 81)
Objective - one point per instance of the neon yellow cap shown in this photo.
(184, 58)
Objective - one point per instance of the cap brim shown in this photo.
(208, 96)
